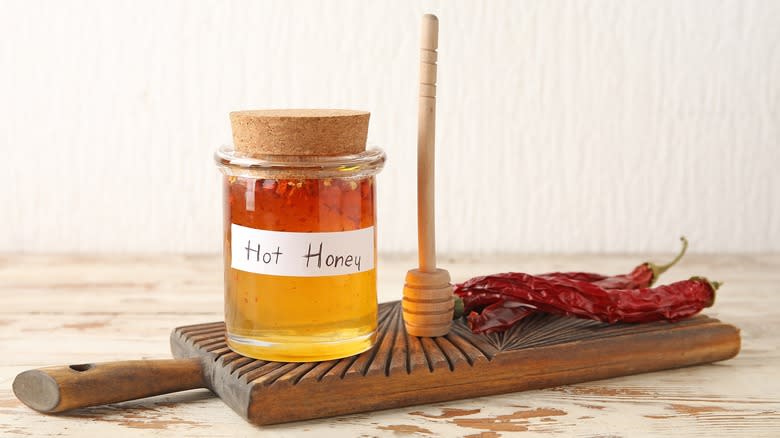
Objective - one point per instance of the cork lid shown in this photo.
(299, 131)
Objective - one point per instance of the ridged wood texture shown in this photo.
(402, 370)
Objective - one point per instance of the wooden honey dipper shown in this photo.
(427, 302)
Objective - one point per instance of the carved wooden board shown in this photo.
(402, 370)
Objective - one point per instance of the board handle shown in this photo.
(62, 388)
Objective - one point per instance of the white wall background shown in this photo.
(575, 126)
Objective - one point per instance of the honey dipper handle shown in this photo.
(426, 129)
(62, 388)
(427, 304)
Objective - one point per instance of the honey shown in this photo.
(300, 234)
(286, 318)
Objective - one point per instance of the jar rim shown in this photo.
(366, 163)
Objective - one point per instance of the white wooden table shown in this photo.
(62, 309)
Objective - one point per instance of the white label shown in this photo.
(301, 254)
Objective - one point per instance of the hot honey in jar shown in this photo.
(300, 250)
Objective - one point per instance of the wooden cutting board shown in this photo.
(401, 370)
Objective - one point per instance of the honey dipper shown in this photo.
(427, 301)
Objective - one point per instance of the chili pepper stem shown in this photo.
(660, 269)
(458, 307)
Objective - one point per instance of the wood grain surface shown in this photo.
(60, 310)
(540, 351)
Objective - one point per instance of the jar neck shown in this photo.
(364, 164)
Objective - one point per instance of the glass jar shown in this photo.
(300, 254)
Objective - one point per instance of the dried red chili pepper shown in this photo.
(498, 316)
(491, 309)
(643, 275)
(488, 312)
(563, 296)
